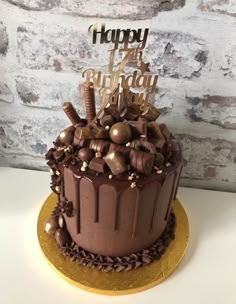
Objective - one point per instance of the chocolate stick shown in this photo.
(89, 99)
(71, 113)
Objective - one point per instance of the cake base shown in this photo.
(114, 283)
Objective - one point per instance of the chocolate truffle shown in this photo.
(85, 154)
(120, 133)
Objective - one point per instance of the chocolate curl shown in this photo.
(71, 113)
(89, 99)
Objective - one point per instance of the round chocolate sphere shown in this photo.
(85, 154)
(51, 225)
(120, 133)
(66, 137)
(62, 237)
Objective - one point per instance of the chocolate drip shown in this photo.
(96, 203)
(154, 207)
(116, 210)
(171, 196)
(136, 212)
(78, 207)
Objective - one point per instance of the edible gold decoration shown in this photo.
(130, 43)
(114, 283)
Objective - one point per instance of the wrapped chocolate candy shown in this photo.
(125, 151)
(106, 120)
(133, 112)
(116, 162)
(138, 128)
(150, 112)
(98, 165)
(165, 131)
(142, 162)
(99, 132)
(100, 145)
(154, 130)
(82, 133)
(113, 111)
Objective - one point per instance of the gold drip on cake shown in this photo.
(113, 283)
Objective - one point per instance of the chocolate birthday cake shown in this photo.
(115, 173)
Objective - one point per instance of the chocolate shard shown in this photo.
(59, 155)
(112, 110)
(107, 120)
(133, 112)
(138, 128)
(98, 165)
(82, 133)
(100, 132)
(151, 112)
(165, 131)
(125, 151)
(71, 113)
(142, 162)
(154, 130)
(116, 162)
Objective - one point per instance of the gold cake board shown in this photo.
(113, 283)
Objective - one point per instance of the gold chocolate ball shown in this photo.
(120, 133)
(66, 137)
(85, 154)
(51, 225)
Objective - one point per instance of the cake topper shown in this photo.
(117, 85)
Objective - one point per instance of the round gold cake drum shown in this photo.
(115, 283)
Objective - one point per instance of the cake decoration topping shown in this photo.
(120, 133)
(89, 99)
(85, 154)
(71, 113)
(116, 162)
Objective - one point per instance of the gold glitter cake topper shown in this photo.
(116, 85)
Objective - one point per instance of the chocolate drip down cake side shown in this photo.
(116, 174)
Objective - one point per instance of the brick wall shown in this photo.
(44, 46)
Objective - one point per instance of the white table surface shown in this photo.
(206, 275)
